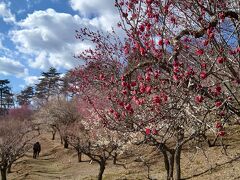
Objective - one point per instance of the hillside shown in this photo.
(55, 162)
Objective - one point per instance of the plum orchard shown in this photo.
(90, 137)
(79, 126)
(175, 73)
(95, 141)
(58, 114)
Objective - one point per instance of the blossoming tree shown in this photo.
(177, 69)
(91, 137)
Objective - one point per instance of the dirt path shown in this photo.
(55, 162)
(46, 166)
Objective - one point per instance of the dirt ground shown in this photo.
(55, 162)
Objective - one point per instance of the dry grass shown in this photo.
(58, 163)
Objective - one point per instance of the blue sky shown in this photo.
(38, 34)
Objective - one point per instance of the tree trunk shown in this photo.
(65, 143)
(9, 168)
(177, 163)
(165, 156)
(101, 170)
(171, 166)
(115, 158)
(79, 156)
(4, 173)
(177, 154)
(53, 135)
(168, 160)
(173, 157)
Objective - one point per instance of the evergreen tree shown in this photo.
(26, 95)
(6, 97)
(49, 85)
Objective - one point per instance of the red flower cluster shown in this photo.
(219, 126)
(220, 60)
(218, 103)
(148, 131)
(199, 52)
(199, 99)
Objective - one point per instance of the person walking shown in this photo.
(36, 150)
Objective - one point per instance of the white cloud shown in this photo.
(93, 7)
(1, 41)
(31, 80)
(50, 37)
(40, 62)
(11, 67)
(101, 13)
(6, 14)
